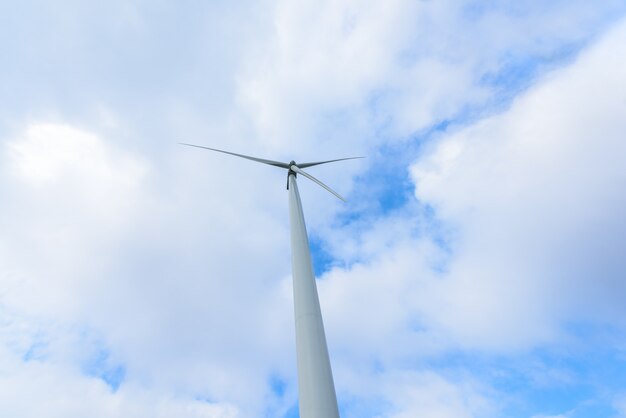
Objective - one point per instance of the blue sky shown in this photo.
(477, 269)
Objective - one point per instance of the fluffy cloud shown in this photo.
(343, 75)
(69, 197)
(526, 245)
(537, 193)
(37, 388)
(74, 304)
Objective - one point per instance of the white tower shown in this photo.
(316, 389)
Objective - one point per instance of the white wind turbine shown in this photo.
(316, 389)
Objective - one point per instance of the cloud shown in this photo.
(69, 195)
(430, 395)
(38, 388)
(347, 75)
(537, 194)
(92, 301)
(515, 241)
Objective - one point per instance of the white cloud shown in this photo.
(398, 392)
(537, 193)
(69, 196)
(346, 75)
(430, 395)
(82, 263)
(35, 388)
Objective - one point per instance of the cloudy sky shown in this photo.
(477, 270)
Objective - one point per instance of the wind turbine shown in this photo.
(316, 389)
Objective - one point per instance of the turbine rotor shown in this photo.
(293, 168)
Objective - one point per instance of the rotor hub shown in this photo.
(292, 162)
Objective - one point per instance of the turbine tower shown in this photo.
(316, 389)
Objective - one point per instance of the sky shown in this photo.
(478, 268)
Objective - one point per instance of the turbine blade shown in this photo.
(310, 177)
(305, 165)
(258, 160)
